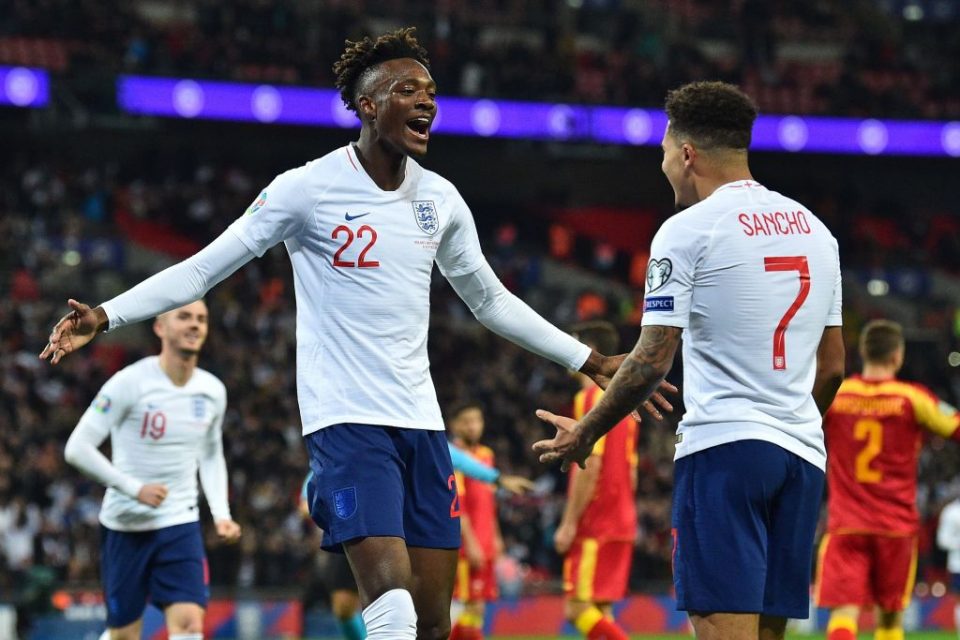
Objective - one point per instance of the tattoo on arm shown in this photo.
(638, 377)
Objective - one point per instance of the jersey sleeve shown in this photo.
(670, 276)
(935, 415)
(835, 319)
(459, 252)
(108, 409)
(948, 529)
(213, 466)
(279, 212)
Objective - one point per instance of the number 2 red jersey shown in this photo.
(479, 502)
(612, 513)
(873, 433)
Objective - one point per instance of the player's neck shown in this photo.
(878, 371)
(710, 183)
(385, 167)
(178, 367)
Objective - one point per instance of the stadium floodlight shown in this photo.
(24, 87)
(217, 100)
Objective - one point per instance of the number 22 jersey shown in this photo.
(362, 262)
(752, 278)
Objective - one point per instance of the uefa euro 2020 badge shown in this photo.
(425, 213)
(257, 204)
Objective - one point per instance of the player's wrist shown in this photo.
(102, 319)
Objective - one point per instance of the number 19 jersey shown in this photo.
(753, 278)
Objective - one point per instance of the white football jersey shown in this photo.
(158, 432)
(948, 535)
(362, 261)
(753, 278)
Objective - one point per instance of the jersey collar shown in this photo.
(739, 184)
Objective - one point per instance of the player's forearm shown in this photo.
(638, 377)
(509, 317)
(831, 356)
(180, 284)
(471, 467)
(213, 479)
(83, 454)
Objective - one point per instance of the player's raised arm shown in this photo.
(641, 373)
(173, 287)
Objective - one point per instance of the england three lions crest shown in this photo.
(425, 213)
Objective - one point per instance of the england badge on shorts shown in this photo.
(425, 213)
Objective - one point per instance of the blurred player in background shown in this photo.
(874, 431)
(163, 416)
(751, 280)
(948, 539)
(599, 523)
(338, 580)
(476, 582)
(363, 226)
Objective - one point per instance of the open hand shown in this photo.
(73, 331)
(608, 368)
(228, 530)
(517, 485)
(563, 537)
(569, 445)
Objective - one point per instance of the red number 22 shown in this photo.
(800, 265)
(363, 262)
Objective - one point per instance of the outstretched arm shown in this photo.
(171, 288)
(508, 316)
(640, 374)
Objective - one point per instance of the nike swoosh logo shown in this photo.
(351, 218)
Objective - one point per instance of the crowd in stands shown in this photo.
(59, 238)
(868, 59)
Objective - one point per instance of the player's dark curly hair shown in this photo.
(711, 115)
(364, 54)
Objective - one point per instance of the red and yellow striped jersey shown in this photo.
(612, 513)
(873, 434)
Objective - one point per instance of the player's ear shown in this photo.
(367, 108)
(688, 153)
(158, 327)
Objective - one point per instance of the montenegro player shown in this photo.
(599, 524)
(873, 434)
(476, 582)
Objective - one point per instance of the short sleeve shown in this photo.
(459, 252)
(278, 213)
(835, 319)
(670, 277)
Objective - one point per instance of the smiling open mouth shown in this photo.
(420, 127)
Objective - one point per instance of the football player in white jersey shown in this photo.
(363, 226)
(751, 281)
(163, 416)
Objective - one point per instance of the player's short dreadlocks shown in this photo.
(711, 114)
(364, 54)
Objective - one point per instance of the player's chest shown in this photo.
(353, 234)
(171, 418)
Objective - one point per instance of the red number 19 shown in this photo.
(800, 265)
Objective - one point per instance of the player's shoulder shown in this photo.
(432, 185)
(210, 383)
(318, 171)
(483, 451)
(142, 369)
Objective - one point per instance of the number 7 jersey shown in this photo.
(874, 431)
(752, 278)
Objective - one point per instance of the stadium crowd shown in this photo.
(60, 237)
(866, 58)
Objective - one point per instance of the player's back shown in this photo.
(873, 433)
(763, 282)
(612, 511)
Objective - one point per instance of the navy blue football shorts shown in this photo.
(371, 480)
(164, 566)
(744, 519)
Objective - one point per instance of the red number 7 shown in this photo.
(799, 264)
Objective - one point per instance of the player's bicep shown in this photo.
(459, 252)
(278, 213)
